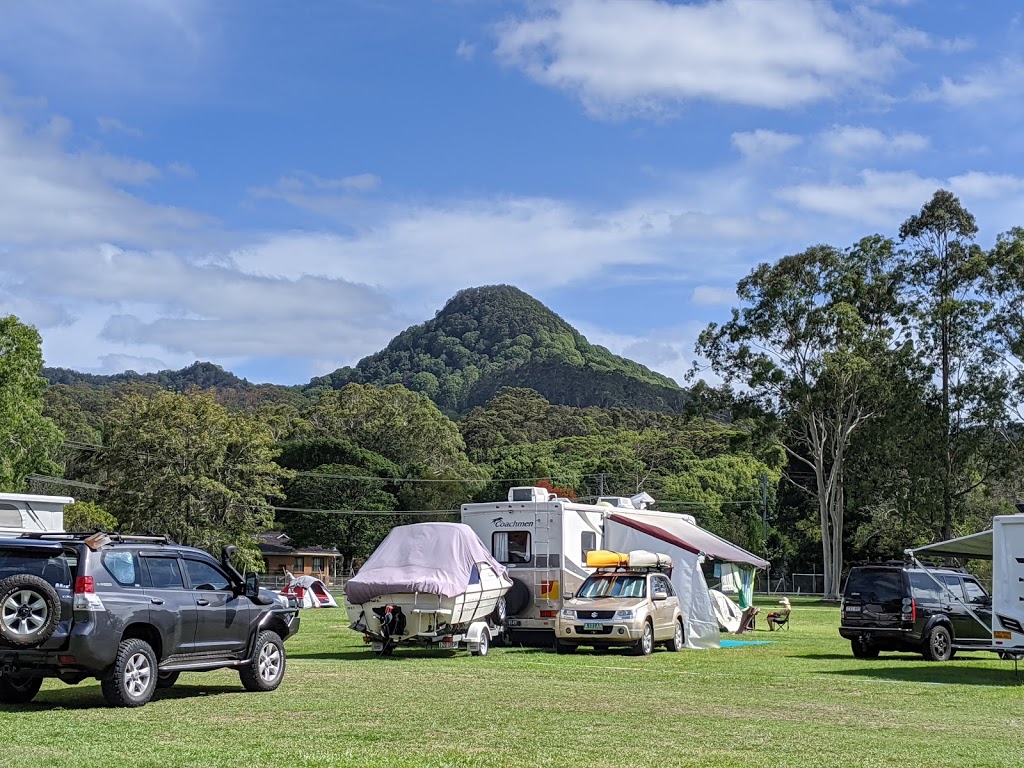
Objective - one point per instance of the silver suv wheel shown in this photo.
(24, 612)
(269, 662)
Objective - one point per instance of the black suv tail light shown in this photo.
(909, 612)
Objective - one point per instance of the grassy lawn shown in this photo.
(798, 699)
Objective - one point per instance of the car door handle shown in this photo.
(202, 601)
(156, 601)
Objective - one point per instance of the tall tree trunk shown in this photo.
(947, 456)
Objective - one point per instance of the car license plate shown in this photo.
(512, 622)
(853, 609)
(593, 625)
(447, 644)
(378, 647)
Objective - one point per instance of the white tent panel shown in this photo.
(699, 620)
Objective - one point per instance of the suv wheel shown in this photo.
(863, 648)
(131, 680)
(266, 668)
(561, 647)
(645, 645)
(15, 689)
(678, 639)
(29, 610)
(938, 646)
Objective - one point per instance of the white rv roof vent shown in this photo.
(621, 502)
(529, 493)
(642, 500)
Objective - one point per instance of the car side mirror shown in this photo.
(659, 596)
(252, 586)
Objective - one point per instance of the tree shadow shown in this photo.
(933, 674)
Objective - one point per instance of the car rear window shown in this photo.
(875, 585)
(52, 568)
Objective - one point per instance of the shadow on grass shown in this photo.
(406, 652)
(89, 697)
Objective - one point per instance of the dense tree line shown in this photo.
(873, 391)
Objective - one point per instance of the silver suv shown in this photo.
(622, 606)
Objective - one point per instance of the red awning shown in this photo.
(690, 537)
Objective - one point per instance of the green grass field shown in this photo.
(798, 699)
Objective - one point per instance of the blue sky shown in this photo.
(282, 187)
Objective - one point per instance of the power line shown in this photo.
(369, 512)
(62, 481)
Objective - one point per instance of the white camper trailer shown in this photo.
(543, 541)
(28, 513)
(1003, 544)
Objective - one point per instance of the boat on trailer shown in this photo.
(432, 585)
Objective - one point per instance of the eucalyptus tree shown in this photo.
(28, 439)
(948, 317)
(811, 344)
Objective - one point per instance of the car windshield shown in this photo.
(613, 585)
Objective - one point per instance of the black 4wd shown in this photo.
(900, 607)
(133, 612)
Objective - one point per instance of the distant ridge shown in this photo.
(496, 336)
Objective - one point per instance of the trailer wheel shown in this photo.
(483, 646)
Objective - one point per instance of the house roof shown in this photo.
(275, 543)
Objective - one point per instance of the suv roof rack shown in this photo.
(119, 537)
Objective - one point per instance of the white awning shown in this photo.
(977, 545)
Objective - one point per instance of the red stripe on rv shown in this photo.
(655, 531)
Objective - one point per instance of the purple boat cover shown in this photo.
(436, 558)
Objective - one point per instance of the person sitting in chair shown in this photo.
(779, 617)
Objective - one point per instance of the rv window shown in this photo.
(511, 546)
(10, 516)
(522, 494)
(589, 544)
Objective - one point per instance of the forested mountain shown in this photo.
(202, 375)
(492, 337)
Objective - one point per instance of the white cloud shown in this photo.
(113, 125)
(852, 140)
(329, 197)
(1004, 80)
(646, 56)
(880, 199)
(182, 170)
(465, 50)
(762, 144)
(713, 295)
(151, 46)
(982, 185)
(115, 363)
(51, 194)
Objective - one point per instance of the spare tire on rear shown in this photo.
(29, 610)
(517, 598)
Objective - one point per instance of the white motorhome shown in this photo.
(544, 540)
(1003, 544)
(27, 513)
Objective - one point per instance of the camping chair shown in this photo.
(748, 620)
(780, 619)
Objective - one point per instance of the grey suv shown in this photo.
(901, 607)
(133, 612)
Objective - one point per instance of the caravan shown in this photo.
(544, 541)
(28, 513)
(1001, 616)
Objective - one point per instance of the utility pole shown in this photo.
(600, 484)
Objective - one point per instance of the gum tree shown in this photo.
(810, 344)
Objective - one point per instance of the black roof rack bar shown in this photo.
(122, 537)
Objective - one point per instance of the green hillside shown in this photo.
(497, 336)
